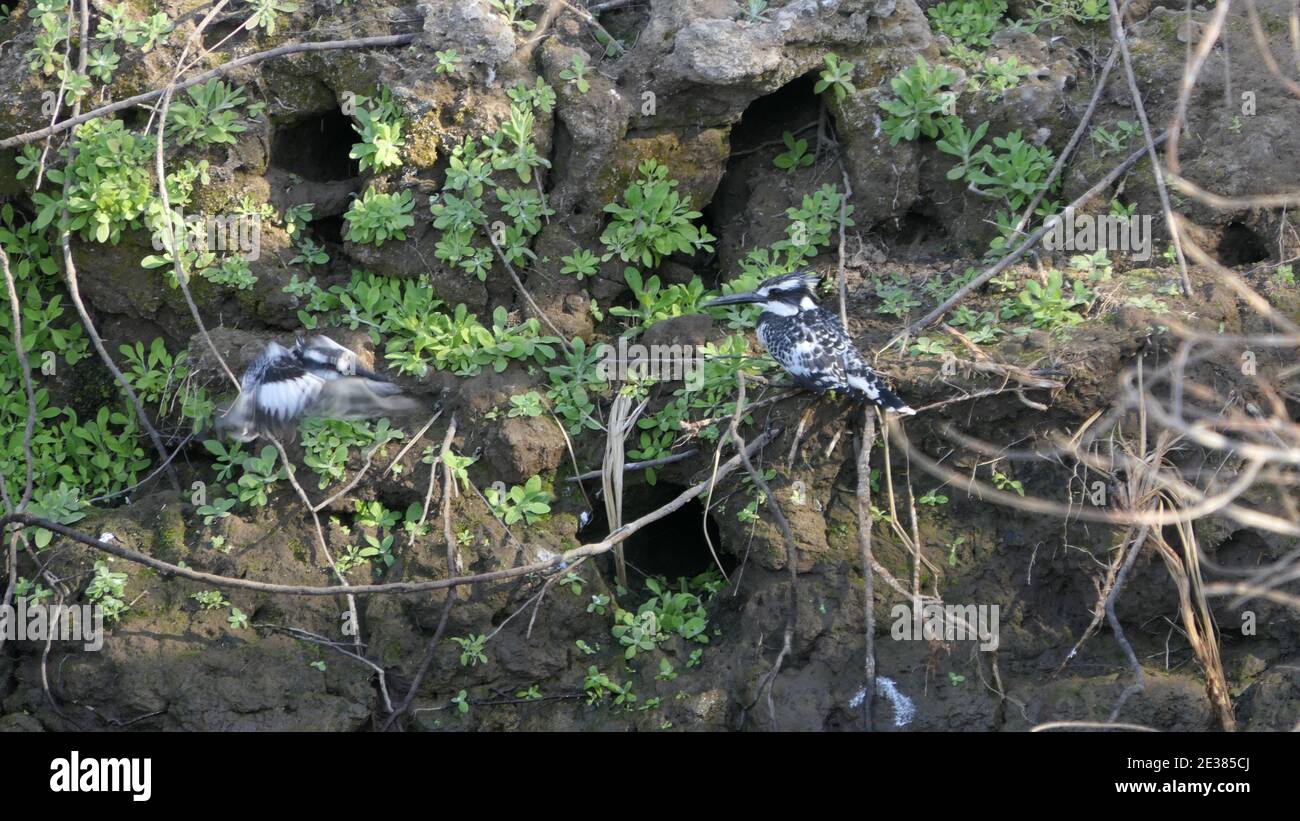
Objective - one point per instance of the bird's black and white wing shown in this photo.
(327, 358)
(287, 390)
(819, 354)
(274, 392)
(812, 350)
(350, 391)
(318, 377)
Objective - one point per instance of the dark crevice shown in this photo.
(914, 228)
(790, 107)
(756, 139)
(329, 229)
(221, 29)
(1240, 245)
(135, 119)
(316, 148)
(672, 547)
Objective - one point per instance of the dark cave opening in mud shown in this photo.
(218, 31)
(1240, 245)
(329, 229)
(793, 107)
(675, 546)
(316, 148)
(914, 228)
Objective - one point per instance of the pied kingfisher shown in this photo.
(316, 377)
(810, 343)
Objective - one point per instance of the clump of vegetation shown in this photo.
(968, 22)
(653, 221)
(919, 97)
(375, 218)
(379, 124)
(211, 116)
(528, 502)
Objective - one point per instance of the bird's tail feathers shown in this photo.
(891, 402)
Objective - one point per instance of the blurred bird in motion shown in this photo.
(316, 377)
(810, 343)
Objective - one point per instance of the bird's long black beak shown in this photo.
(733, 299)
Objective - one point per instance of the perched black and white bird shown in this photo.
(316, 377)
(810, 343)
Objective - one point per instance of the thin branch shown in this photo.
(1030, 241)
(555, 562)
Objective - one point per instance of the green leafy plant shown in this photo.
(526, 404)
(309, 254)
(528, 502)
(210, 599)
(1055, 13)
(1050, 304)
(238, 619)
(211, 116)
(1124, 212)
(581, 263)
(655, 302)
(101, 63)
(969, 22)
(1015, 173)
(380, 128)
(448, 61)
(258, 478)
(754, 11)
(266, 12)
(919, 97)
(928, 346)
(961, 143)
(514, 10)
(666, 612)
(110, 188)
(150, 32)
(599, 686)
(1005, 482)
(837, 76)
(996, 76)
(1096, 267)
(795, 156)
(376, 218)
(655, 221)
(471, 649)
(50, 21)
(574, 383)
(108, 590)
(1114, 142)
(896, 299)
(576, 74)
(932, 499)
(155, 375)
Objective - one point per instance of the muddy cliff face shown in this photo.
(719, 101)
